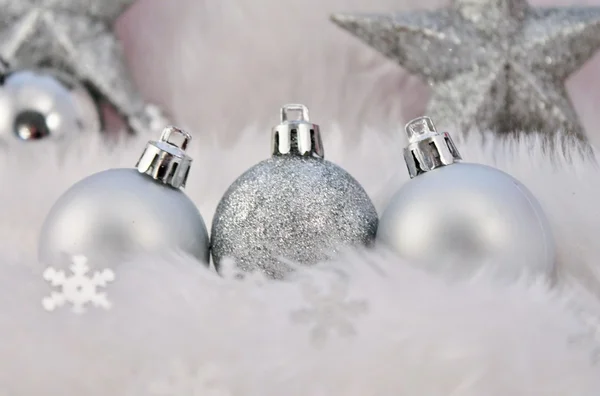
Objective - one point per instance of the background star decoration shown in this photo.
(495, 65)
(75, 36)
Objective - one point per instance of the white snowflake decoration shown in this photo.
(182, 380)
(78, 289)
(329, 312)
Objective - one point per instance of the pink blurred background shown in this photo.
(219, 66)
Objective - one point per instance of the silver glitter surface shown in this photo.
(74, 36)
(495, 65)
(290, 207)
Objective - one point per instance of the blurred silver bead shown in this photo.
(38, 104)
(293, 206)
(457, 217)
(118, 213)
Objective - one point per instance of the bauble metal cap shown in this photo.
(296, 136)
(165, 161)
(427, 148)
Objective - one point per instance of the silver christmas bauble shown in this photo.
(294, 206)
(38, 104)
(457, 217)
(119, 213)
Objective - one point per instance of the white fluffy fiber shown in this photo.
(178, 328)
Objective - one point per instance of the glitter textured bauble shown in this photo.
(40, 104)
(75, 37)
(457, 218)
(119, 213)
(294, 206)
(495, 65)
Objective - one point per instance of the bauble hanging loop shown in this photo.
(120, 213)
(457, 218)
(297, 136)
(293, 206)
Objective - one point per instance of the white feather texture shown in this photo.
(367, 324)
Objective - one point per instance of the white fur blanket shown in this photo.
(374, 325)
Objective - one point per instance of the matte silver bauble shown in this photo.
(294, 206)
(457, 217)
(38, 104)
(118, 213)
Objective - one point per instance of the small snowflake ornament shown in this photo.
(182, 379)
(77, 289)
(329, 312)
(591, 337)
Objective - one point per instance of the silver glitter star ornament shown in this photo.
(456, 218)
(119, 213)
(75, 37)
(293, 206)
(496, 65)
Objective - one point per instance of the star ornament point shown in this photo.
(496, 65)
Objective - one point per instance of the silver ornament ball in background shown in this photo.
(44, 103)
(118, 213)
(456, 218)
(294, 206)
